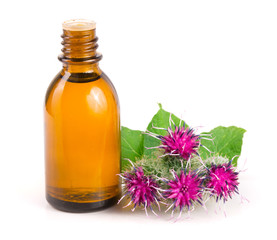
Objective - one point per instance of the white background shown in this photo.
(211, 62)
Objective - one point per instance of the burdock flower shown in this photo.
(222, 181)
(184, 190)
(142, 190)
(179, 141)
(182, 142)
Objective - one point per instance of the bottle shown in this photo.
(82, 127)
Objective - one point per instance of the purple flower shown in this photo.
(181, 142)
(184, 190)
(143, 190)
(222, 180)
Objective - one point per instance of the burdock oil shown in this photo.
(82, 127)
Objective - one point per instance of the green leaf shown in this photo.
(131, 145)
(160, 120)
(227, 142)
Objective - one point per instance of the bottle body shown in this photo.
(82, 141)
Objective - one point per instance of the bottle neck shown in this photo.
(79, 51)
(82, 68)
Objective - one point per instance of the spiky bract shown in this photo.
(143, 190)
(222, 180)
(156, 166)
(181, 141)
(184, 190)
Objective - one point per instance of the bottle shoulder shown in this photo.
(82, 88)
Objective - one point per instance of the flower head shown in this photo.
(184, 190)
(143, 190)
(222, 179)
(181, 141)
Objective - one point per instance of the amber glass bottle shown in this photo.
(82, 127)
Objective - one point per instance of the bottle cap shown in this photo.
(79, 25)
